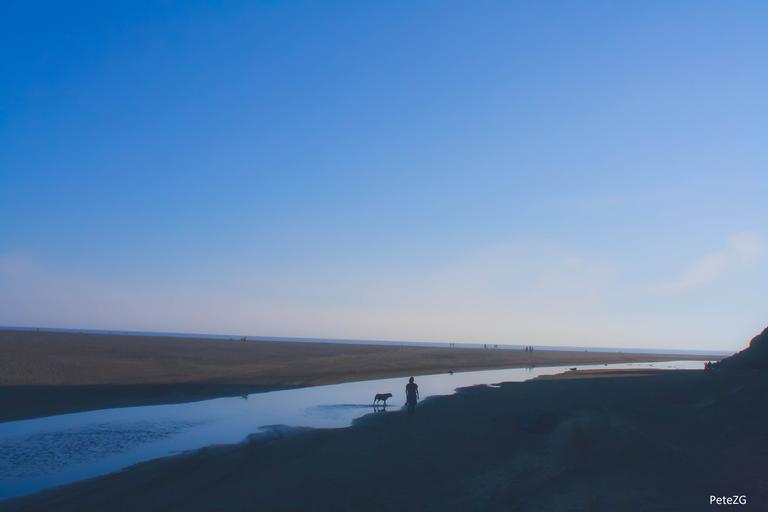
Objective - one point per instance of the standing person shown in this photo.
(411, 396)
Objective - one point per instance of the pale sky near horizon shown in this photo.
(567, 173)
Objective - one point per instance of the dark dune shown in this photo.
(754, 357)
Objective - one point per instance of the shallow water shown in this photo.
(41, 453)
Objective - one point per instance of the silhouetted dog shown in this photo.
(382, 397)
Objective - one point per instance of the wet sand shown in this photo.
(629, 442)
(52, 373)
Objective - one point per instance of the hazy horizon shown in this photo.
(557, 174)
(255, 337)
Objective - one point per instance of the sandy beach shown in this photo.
(663, 441)
(52, 373)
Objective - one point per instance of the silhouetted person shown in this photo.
(411, 396)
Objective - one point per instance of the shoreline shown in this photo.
(256, 429)
(44, 374)
(627, 438)
(353, 341)
(74, 399)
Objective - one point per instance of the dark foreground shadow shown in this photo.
(660, 442)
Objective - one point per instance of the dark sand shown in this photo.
(53, 373)
(623, 442)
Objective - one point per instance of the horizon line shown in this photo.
(355, 341)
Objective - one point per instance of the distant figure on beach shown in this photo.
(411, 396)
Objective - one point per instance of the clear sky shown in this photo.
(510, 172)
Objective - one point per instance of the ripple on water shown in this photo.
(47, 452)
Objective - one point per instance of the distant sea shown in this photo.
(467, 345)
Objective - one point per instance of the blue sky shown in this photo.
(551, 172)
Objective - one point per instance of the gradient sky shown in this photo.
(511, 172)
